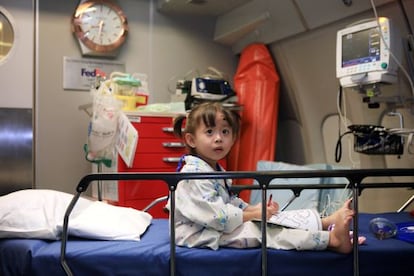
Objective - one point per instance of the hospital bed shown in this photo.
(156, 254)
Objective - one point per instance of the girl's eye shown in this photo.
(226, 131)
(209, 131)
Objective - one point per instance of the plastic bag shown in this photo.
(103, 126)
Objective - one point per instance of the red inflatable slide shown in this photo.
(257, 87)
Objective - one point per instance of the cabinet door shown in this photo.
(158, 150)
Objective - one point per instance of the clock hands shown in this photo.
(101, 24)
(101, 27)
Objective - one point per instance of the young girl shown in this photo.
(209, 215)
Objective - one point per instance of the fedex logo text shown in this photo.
(88, 73)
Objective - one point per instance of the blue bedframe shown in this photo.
(156, 253)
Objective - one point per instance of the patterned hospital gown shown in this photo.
(207, 216)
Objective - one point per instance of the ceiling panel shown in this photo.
(320, 12)
(199, 7)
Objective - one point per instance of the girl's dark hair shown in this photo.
(206, 113)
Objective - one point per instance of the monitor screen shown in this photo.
(361, 47)
(363, 53)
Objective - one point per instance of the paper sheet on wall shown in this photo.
(307, 219)
(127, 140)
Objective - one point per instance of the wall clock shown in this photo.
(7, 35)
(100, 27)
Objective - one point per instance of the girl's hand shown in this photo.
(272, 208)
(255, 211)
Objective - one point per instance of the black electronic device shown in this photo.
(372, 139)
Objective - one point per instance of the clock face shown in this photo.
(7, 34)
(100, 25)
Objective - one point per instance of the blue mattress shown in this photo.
(151, 256)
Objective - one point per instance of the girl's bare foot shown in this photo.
(339, 240)
(330, 220)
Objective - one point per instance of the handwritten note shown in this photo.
(127, 140)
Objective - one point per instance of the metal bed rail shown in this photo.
(263, 178)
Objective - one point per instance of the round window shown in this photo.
(6, 34)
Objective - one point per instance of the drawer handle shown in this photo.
(171, 159)
(173, 145)
(168, 129)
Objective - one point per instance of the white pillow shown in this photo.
(39, 214)
(34, 213)
(107, 222)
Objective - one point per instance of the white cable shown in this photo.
(338, 107)
(187, 76)
(410, 143)
(405, 132)
(391, 53)
(400, 131)
(213, 73)
(355, 164)
(350, 146)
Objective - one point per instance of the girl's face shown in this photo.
(212, 143)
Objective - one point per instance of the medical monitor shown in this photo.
(363, 53)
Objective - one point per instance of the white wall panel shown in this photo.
(16, 71)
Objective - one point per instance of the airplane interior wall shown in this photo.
(167, 47)
(309, 94)
(17, 90)
(162, 46)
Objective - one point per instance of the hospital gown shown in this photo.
(206, 215)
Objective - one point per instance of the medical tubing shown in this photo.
(340, 102)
